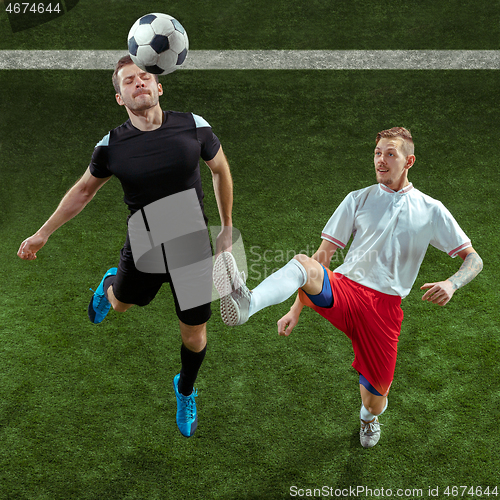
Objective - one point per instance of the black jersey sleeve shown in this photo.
(210, 143)
(99, 162)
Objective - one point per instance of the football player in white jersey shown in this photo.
(391, 223)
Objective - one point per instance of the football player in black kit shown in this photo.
(154, 154)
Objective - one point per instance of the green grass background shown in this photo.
(88, 412)
(280, 24)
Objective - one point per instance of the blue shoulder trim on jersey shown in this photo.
(104, 141)
(200, 122)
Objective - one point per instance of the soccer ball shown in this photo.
(158, 43)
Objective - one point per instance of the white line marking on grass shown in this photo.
(265, 59)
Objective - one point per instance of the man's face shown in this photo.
(391, 164)
(139, 90)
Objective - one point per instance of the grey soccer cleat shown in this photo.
(234, 294)
(369, 433)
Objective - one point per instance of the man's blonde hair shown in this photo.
(401, 133)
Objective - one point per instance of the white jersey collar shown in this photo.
(401, 191)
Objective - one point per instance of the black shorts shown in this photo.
(135, 287)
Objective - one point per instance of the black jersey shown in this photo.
(154, 164)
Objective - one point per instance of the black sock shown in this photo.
(191, 362)
(107, 283)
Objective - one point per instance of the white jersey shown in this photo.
(391, 232)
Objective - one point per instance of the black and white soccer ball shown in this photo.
(158, 43)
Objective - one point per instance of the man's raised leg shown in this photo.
(115, 303)
(238, 303)
(104, 298)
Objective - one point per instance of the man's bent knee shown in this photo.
(305, 260)
(315, 274)
(374, 404)
(378, 408)
(194, 337)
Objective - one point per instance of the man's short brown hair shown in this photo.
(124, 61)
(401, 133)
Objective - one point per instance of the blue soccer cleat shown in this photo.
(99, 304)
(187, 417)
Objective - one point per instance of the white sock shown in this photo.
(365, 415)
(279, 286)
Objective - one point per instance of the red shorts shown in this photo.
(372, 320)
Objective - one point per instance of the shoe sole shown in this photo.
(225, 270)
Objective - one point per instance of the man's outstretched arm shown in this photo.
(441, 292)
(72, 204)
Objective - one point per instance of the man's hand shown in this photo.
(72, 204)
(30, 246)
(287, 323)
(438, 293)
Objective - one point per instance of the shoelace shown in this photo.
(242, 291)
(189, 403)
(240, 279)
(99, 297)
(370, 427)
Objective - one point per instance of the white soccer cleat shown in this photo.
(369, 433)
(234, 294)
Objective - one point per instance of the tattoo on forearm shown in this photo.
(470, 268)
